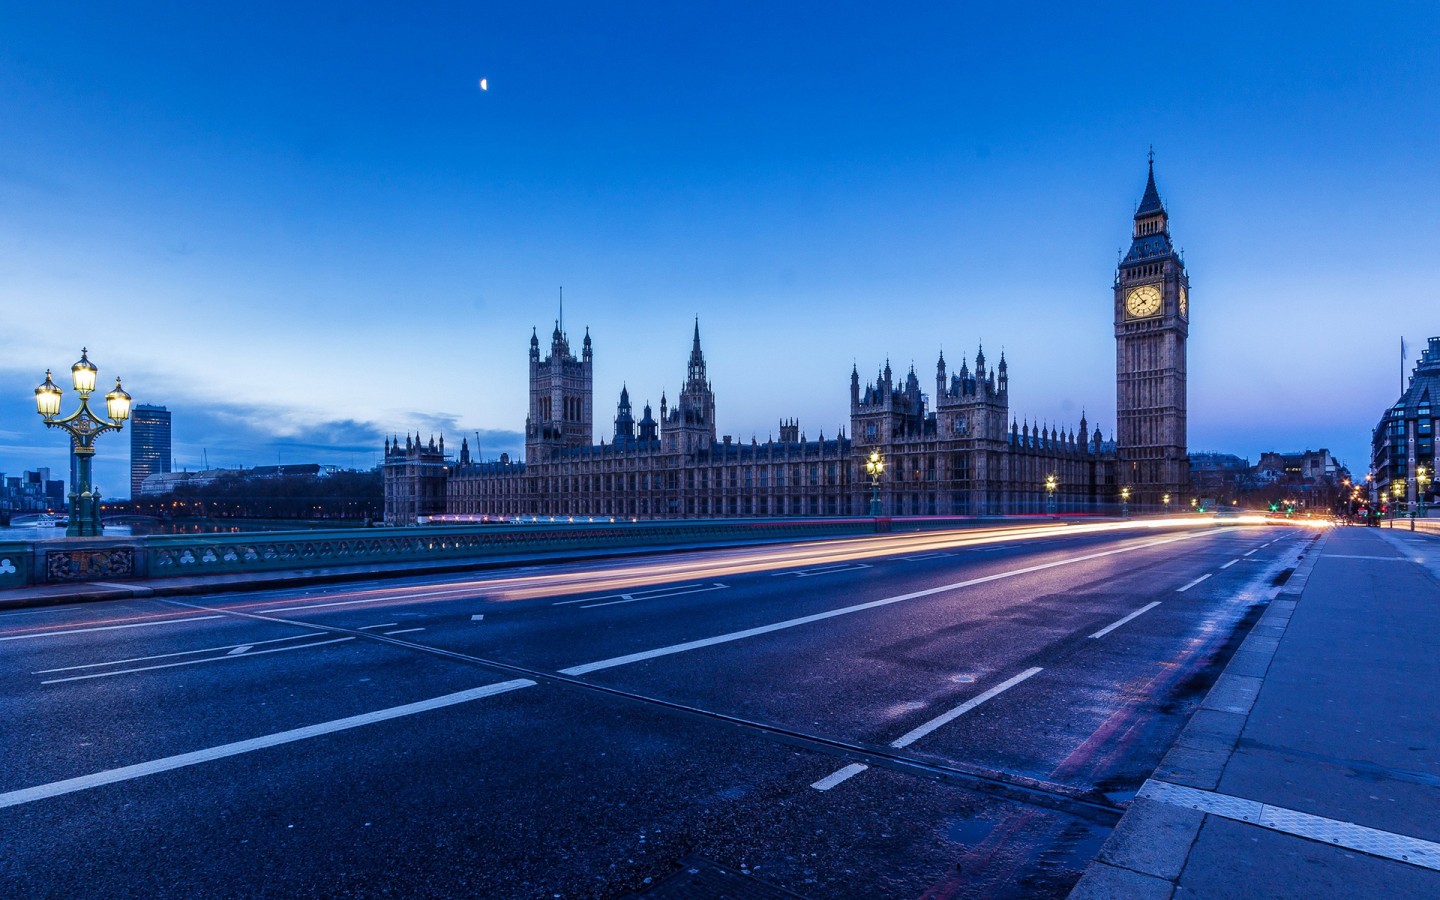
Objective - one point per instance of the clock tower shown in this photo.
(1152, 322)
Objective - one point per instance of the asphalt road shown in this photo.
(942, 715)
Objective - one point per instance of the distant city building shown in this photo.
(1299, 468)
(1404, 440)
(32, 492)
(166, 482)
(1220, 476)
(149, 444)
(965, 455)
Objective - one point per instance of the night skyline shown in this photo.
(305, 239)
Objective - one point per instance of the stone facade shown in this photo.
(1152, 323)
(965, 454)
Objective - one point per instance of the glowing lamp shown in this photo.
(117, 403)
(83, 373)
(47, 398)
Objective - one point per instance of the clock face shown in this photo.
(1184, 301)
(1143, 301)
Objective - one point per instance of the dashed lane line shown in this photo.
(687, 646)
(134, 659)
(194, 662)
(1114, 625)
(1230, 563)
(917, 733)
(63, 632)
(834, 778)
(140, 770)
(1192, 584)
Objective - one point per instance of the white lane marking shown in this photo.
(823, 570)
(925, 557)
(1360, 838)
(194, 662)
(131, 659)
(1114, 625)
(859, 607)
(632, 595)
(478, 618)
(139, 770)
(40, 634)
(241, 649)
(386, 625)
(1192, 584)
(402, 631)
(403, 598)
(630, 598)
(1230, 563)
(1248, 552)
(834, 778)
(916, 734)
(1381, 558)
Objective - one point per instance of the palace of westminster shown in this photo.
(964, 456)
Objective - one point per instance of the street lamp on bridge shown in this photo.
(83, 426)
(1422, 479)
(1166, 500)
(1397, 489)
(1052, 484)
(875, 467)
(1125, 502)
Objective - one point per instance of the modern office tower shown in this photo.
(149, 444)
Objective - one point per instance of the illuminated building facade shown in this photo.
(963, 454)
(149, 444)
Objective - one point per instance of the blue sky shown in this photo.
(304, 228)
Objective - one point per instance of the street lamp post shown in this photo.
(1125, 502)
(83, 426)
(1397, 489)
(1052, 484)
(1165, 499)
(875, 467)
(1422, 480)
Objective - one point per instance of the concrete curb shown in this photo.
(1148, 850)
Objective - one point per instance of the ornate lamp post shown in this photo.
(1194, 504)
(1052, 484)
(1125, 502)
(1397, 489)
(875, 467)
(1166, 500)
(1422, 482)
(83, 427)
(1422, 478)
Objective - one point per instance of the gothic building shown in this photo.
(960, 451)
(1152, 322)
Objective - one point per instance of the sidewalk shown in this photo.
(1312, 769)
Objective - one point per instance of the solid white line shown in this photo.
(1193, 583)
(859, 607)
(1230, 563)
(633, 595)
(631, 599)
(85, 782)
(386, 625)
(1336, 832)
(194, 662)
(402, 631)
(1380, 558)
(834, 778)
(916, 734)
(402, 598)
(116, 662)
(21, 637)
(1114, 625)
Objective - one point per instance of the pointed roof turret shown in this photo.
(1150, 203)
